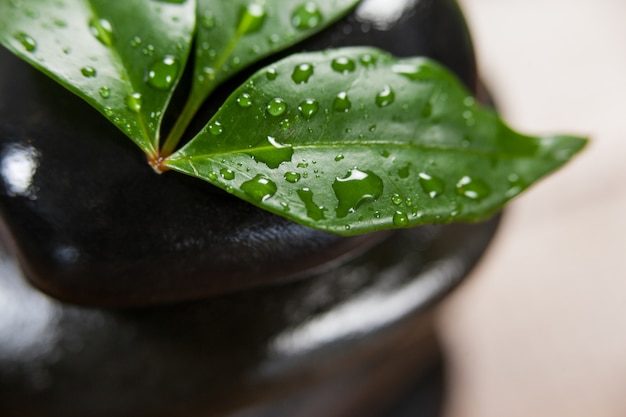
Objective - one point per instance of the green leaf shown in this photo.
(354, 140)
(234, 34)
(123, 57)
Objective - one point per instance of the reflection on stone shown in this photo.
(18, 165)
(383, 14)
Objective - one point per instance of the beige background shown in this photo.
(540, 329)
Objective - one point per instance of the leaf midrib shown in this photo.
(404, 145)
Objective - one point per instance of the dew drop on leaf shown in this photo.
(427, 110)
(433, 186)
(27, 41)
(367, 60)
(396, 199)
(400, 219)
(148, 50)
(342, 102)
(343, 65)
(339, 157)
(516, 185)
(227, 174)
(88, 72)
(134, 102)
(472, 188)
(276, 106)
(302, 73)
(271, 74)
(216, 128)
(271, 152)
(356, 188)
(284, 124)
(207, 20)
(102, 30)
(135, 41)
(308, 108)
(108, 111)
(244, 100)
(259, 188)
(306, 16)
(385, 97)
(411, 71)
(313, 211)
(162, 73)
(105, 92)
(251, 18)
(292, 177)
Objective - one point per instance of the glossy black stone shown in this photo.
(94, 225)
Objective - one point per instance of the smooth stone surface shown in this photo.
(340, 344)
(92, 224)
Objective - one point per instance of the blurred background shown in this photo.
(540, 328)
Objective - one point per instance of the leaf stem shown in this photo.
(189, 111)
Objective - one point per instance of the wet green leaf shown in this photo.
(354, 140)
(233, 34)
(123, 57)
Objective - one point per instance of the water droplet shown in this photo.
(148, 50)
(343, 65)
(372, 128)
(32, 13)
(306, 16)
(292, 177)
(244, 100)
(367, 60)
(339, 157)
(396, 199)
(134, 102)
(27, 42)
(59, 23)
(88, 72)
(433, 186)
(473, 188)
(216, 128)
(227, 174)
(405, 171)
(271, 74)
(385, 97)
(516, 185)
(427, 110)
(271, 152)
(302, 73)
(259, 188)
(251, 18)
(356, 188)
(135, 41)
(308, 108)
(342, 102)
(400, 219)
(207, 73)
(108, 111)
(162, 74)
(413, 72)
(105, 92)
(102, 30)
(284, 124)
(313, 211)
(276, 107)
(207, 20)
